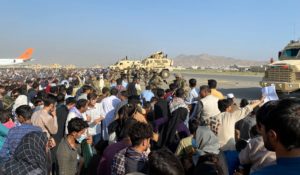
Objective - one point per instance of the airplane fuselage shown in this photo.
(11, 61)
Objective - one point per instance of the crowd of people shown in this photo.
(84, 122)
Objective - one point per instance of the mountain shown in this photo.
(205, 60)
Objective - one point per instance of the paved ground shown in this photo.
(241, 86)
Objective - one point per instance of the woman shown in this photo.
(30, 156)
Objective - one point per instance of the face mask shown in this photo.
(81, 138)
(113, 84)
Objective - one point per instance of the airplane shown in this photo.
(24, 57)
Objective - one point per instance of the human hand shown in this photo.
(89, 139)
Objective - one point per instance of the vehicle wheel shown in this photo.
(165, 74)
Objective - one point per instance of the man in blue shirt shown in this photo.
(16, 134)
(280, 129)
(147, 94)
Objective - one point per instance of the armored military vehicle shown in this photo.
(285, 73)
(123, 65)
(158, 62)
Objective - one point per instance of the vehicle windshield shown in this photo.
(291, 52)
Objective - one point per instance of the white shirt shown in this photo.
(226, 129)
(95, 113)
(72, 115)
(109, 105)
(192, 96)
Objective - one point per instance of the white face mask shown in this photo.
(81, 138)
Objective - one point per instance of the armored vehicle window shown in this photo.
(291, 52)
(165, 61)
(157, 61)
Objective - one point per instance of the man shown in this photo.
(119, 85)
(155, 81)
(95, 111)
(194, 92)
(179, 81)
(163, 162)
(109, 105)
(161, 108)
(147, 94)
(16, 134)
(281, 134)
(78, 111)
(123, 96)
(69, 147)
(46, 117)
(207, 106)
(32, 92)
(212, 84)
(86, 89)
(134, 158)
(131, 88)
(223, 123)
(62, 111)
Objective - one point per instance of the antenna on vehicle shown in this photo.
(294, 31)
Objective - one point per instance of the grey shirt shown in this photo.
(67, 158)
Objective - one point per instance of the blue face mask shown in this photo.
(81, 138)
(113, 84)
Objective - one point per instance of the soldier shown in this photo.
(179, 81)
(155, 81)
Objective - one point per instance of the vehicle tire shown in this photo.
(165, 74)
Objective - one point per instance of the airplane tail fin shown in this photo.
(27, 54)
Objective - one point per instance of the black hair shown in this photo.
(5, 115)
(193, 125)
(205, 88)
(284, 119)
(81, 103)
(263, 111)
(35, 85)
(53, 89)
(114, 91)
(69, 90)
(193, 82)
(134, 99)
(124, 94)
(86, 88)
(92, 96)
(179, 93)
(148, 87)
(160, 92)
(164, 162)
(105, 90)
(76, 124)
(224, 104)
(212, 84)
(140, 131)
(60, 98)
(70, 100)
(210, 164)
(49, 100)
(244, 102)
(25, 111)
(119, 81)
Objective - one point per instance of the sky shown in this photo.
(89, 32)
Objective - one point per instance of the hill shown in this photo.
(205, 60)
